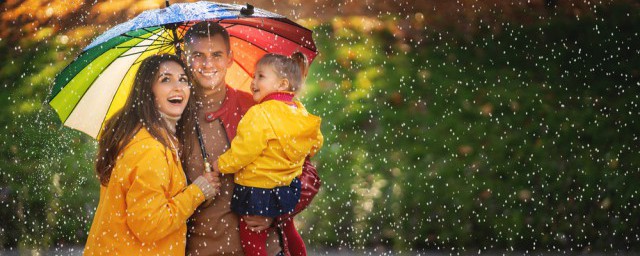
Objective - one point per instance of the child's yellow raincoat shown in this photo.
(272, 142)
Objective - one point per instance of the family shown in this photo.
(156, 195)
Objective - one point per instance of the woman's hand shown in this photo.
(208, 185)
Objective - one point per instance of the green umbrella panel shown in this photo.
(96, 85)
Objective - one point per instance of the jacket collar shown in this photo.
(229, 96)
(283, 96)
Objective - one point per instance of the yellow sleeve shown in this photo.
(254, 131)
(152, 213)
(319, 142)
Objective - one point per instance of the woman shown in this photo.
(144, 198)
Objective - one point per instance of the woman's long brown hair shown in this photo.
(186, 127)
(140, 110)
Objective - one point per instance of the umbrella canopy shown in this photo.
(97, 83)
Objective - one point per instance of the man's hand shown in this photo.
(257, 223)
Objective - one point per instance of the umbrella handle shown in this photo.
(207, 166)
(207, 169)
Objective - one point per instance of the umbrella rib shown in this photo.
(165, 47)
(242, 67)
(232, 25)
(165, 41)
(161, 48)
(137, 37)
(149, 49)
(136, 46)
(257, 46)
(159, 34)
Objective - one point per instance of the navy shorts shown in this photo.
(266, 202)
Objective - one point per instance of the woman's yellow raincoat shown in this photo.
(144, 208)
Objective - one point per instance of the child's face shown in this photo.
(266, 81)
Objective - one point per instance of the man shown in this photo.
(213, 228)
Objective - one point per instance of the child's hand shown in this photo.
(214, 179)
(216, 169)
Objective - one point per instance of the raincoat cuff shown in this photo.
(197, 194)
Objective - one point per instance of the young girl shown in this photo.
(274, 137)
(144, 198)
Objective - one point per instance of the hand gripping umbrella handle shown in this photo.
(207, 169)
(207, 166)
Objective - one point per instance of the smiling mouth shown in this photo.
(175, 99)
(208, 74)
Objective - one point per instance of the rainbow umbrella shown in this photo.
(97, 83)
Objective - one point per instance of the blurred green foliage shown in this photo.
(47, 186)
(524, 139)
(520, 137)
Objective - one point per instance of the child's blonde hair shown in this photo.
(293, 68)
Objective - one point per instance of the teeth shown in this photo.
(175, 99)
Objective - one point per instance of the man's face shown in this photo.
(208, 60)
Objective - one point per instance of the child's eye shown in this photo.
(165, 79)
(183, 79)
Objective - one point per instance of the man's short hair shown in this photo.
(206, 29)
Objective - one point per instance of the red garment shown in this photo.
(253, 243)
(235, 105)
(286, 97)
(293, 240)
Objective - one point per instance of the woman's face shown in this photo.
(171, 89)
